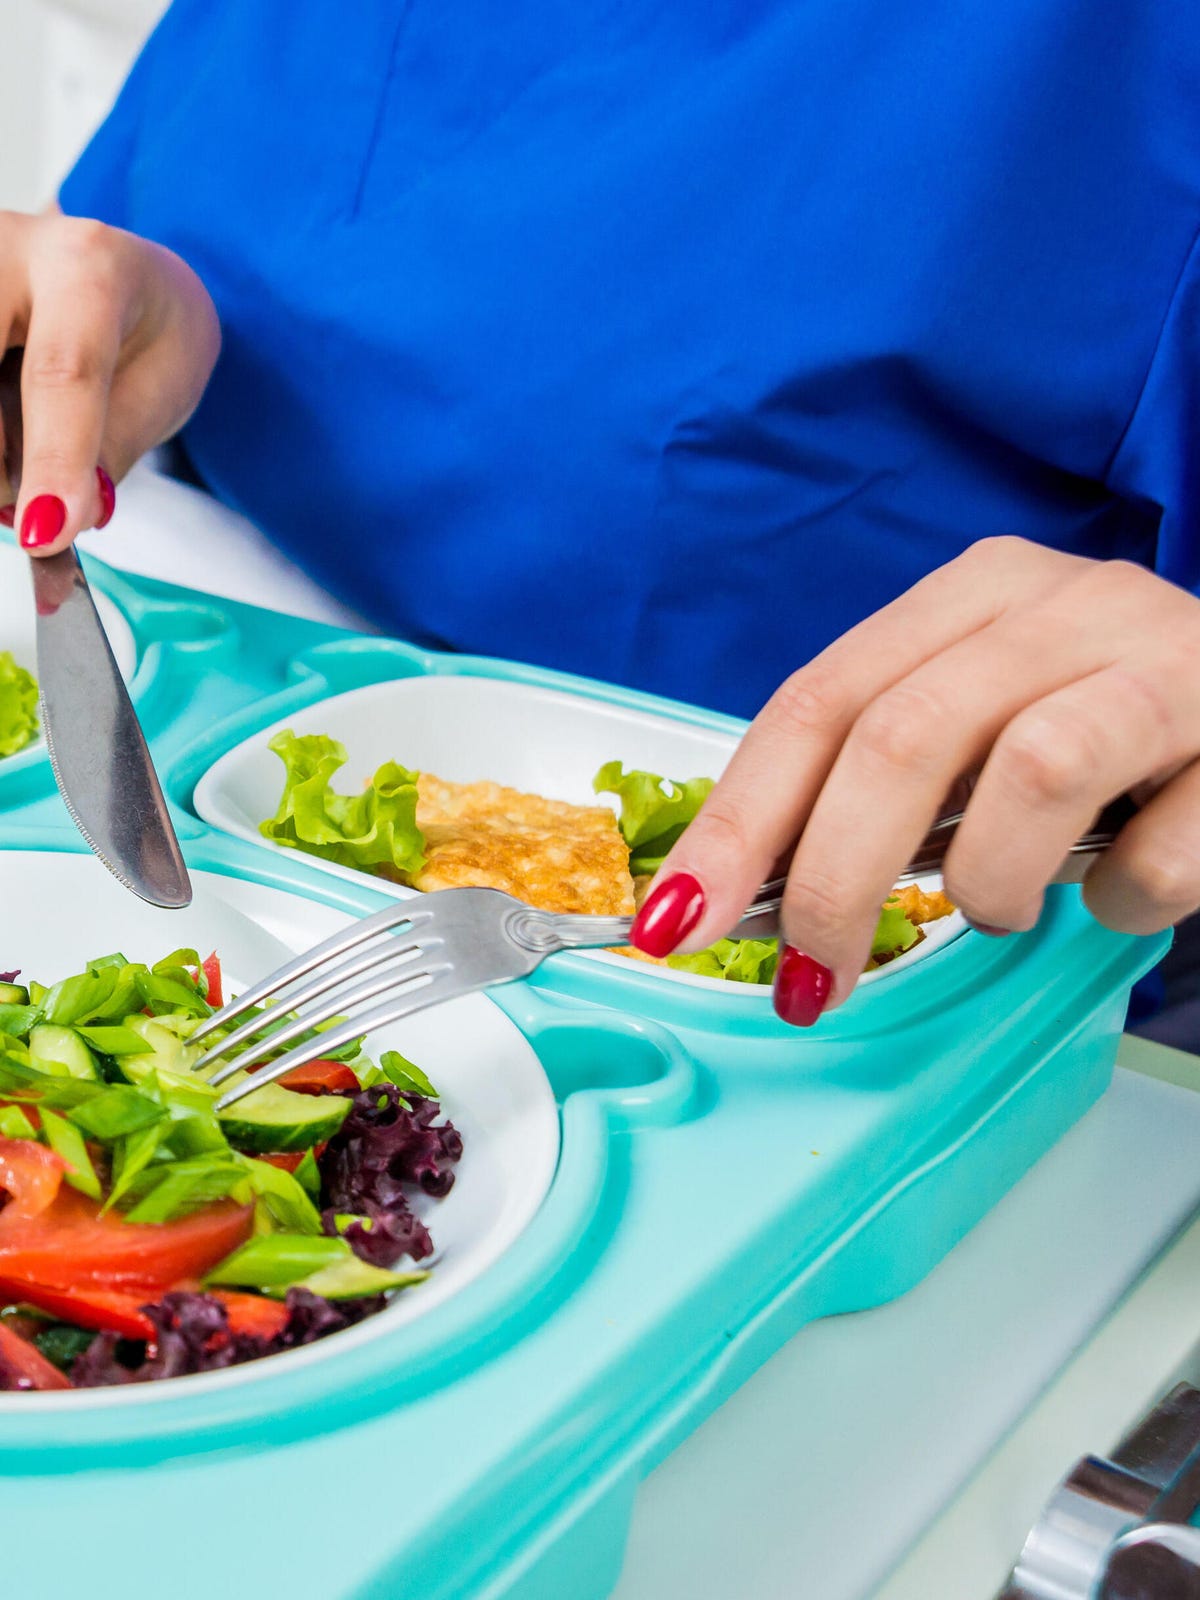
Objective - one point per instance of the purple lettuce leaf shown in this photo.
(194, 1336)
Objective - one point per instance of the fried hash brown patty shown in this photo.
(548, 853)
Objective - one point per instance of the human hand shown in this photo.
(1061, 682)
(110, 342)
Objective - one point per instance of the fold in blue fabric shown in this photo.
(664, 342)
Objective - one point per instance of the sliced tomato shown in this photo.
(25, 1363)
(70, 1245)
(320, 1077)
(110, 1310)
(32, 1173)
(289, 1160)
(212, 972)
(251, 1314)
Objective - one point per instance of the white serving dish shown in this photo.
(467, 728)
(491, 1083)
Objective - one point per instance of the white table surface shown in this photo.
(902, 1453)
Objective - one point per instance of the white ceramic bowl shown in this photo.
(465, 729)
(491, 1083)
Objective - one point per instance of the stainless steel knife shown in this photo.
(97, 749)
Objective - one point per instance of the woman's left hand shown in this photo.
(1062, 682)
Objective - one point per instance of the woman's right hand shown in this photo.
(110, 341)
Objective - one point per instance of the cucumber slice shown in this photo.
(61, 1052)
(13, 994)
(273, 1119)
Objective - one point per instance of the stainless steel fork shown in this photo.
(431, 948)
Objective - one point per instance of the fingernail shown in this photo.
(108, 497)
(43, 521)
(802, 987)
(8, 515)
(671, 911)
(986, 927)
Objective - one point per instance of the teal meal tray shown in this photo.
(722, 1181)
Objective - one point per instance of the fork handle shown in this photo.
(760, 920)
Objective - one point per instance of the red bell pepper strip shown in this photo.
(251, 1314)
(109, 1310)
(320, 1077)
(32, 1173)
(212, 972)
(25, 1366)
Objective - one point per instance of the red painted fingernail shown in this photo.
(43, 521)
(8, 515)
(802, 987)
(672, 910)
(986, 927)
(108, 497)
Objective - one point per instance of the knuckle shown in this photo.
(1044, 758)
(1167, 876)
(815, 909)
(903, 729)
(808, 702)
(721, 828)
(61, 365)
(997, 552)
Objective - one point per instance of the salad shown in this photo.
(144, 1235)
(18, 706)
(420, 830)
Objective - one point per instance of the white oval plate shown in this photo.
(465, 728)
(492, 1085)
(18, 622)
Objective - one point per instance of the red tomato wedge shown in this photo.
(32, 1174)
(319, 1077)
(25, 1365)
(110, 1310)
(69, 1245)
(289, 1160)
(212, 972)
(251, 1314)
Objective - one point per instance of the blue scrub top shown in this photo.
(663, 341)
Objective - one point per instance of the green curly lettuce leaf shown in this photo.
(18, 706)
(755, 960)
(375, 828)
(654, 810)
(735, 960)
(894, 933)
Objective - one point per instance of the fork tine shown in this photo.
(437, 988)
(336, 973)
(337, 944)
(385, 977)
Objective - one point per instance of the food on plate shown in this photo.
(416, 829)
(18, 706)
(420, 830)
(145, 1235)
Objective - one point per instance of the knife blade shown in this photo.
(96, 746)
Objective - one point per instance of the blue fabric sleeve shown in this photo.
(1158, 457)
(98, 185)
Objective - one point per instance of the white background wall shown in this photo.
(62, 63)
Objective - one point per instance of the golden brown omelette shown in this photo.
(548, 853)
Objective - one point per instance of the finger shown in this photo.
(10, 431)
(76, 327)
(758, 808)
(1052, 770)
(906, 748)
(1150, 878)
(167, 362)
